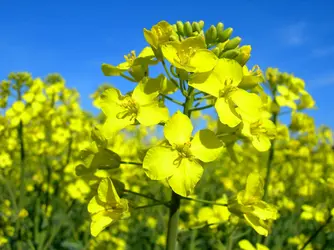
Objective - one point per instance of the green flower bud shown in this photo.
(201, 24)
(225, 35)
(196, 27)
(174, 27)
(188, 30)
(216, 51)
(233, 43)
(211, 34)
(230, 54)
(220, 28)
(180, 28)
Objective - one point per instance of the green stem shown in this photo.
(204, 97)
(172, 100)
(173, 222)
(152, 205)
(205, 201)
(269, 164)
(174, 210)
(128, 78)
(201, 108)
(132, 163)
(22, 174)
(143, 195)
(168, 74)
(315, 234)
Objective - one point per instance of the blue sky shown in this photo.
(75, 37)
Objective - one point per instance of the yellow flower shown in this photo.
(179, 160)
(190, 55)
(122, 111)
(106, 207)
(159, 34)
(233, 103)
(248, 204)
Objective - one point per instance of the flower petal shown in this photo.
(206, 146)
(107, 192)
(160, 162)
(185, 177)
(178, 129)
(203, 61)
(226, 113)
(152, 114)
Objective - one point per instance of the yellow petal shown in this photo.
(249, 104)
(226, 73)
(107, 192)
(185, 177)
(226, 113)
(258, 225)
(101, 220)
(160, 162)
(246, 245)
(110, 70)
(261, 142)
(254, 187)
(206, 146)
(95, 205)
(152, 114)
(178, 129)
(203, 61)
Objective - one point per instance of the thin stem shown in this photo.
(168, 74)
(199, 227)
(205, 201)
(204, 97)
(132, 163)
(127, 78)
(172, 100)
(314, 235)
(201, 108)
(151, 205)
(143, 195)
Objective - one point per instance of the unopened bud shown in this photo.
(245, 53)
(180, 28)
(211, 34)
(188, 30)
(230, 54)
(201, 24)
(216, 51)
(196, 27)
(225, 35)
(233, 43)
(220, 29)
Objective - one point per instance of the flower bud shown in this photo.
(211, 34)
(220, 29)
(180, 28)
(245, 53)
(216, 51)
(225, 35)
(201, 24)
(230, 54)
(196, 27)
(233, 43)
(188, 30)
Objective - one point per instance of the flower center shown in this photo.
(184, 55)
(130, 109)
(130, 58)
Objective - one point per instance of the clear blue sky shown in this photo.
(75, 37)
